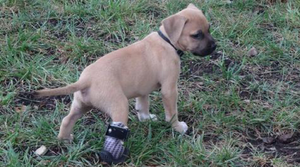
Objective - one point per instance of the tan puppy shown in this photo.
(137, 70)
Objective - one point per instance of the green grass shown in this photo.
(238, 107)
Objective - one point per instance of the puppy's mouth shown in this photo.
(205, 52)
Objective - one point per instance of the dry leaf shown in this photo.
(20, 109)
(285, 137)
(252, 52)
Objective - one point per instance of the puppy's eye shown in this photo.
(199, 35)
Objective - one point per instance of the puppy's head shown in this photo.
(188, 30)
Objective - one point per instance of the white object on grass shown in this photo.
(41, 151)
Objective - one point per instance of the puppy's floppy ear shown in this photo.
(174, 26)
(192, 6)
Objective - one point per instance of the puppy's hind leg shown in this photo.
(142, 106)
(68, 122)
(114, 150)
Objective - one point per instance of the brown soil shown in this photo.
(48, 103)
(286, 146)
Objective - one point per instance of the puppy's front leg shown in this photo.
(142, 106)
(169, 95)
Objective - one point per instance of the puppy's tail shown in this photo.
(74, 87)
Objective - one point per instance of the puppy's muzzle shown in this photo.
(212, 47)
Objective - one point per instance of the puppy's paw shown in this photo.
(66, 140)
(153, 117)
(143, 117)
(180, 127)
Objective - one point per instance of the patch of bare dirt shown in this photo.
(199, 67)
(286, 146)
(48, 103)
(55, 150)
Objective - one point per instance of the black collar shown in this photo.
(179, 52)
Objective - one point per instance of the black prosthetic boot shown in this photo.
(114, 151)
